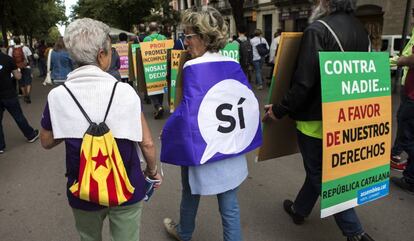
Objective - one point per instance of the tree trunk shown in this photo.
(31, 40)
(3, 24)
(237, 6)
(4, 35)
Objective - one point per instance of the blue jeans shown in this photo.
(258, 70)
(42, 67)
(228, 207)
(406, 124)
(12, 105)
(311, 150)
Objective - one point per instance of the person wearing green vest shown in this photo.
(303, 104)
(154, 34)
(156, 99)
(397, 163)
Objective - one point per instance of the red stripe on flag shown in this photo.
(93, 190)
(82, 165)
(125, 191)
(110, 183)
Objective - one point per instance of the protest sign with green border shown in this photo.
(133, 56)
(122, 49)
(154, 57)
(231, 50)
(175, 64)
(356, 114)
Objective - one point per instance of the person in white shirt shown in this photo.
(272, 54)
(257, 59)
(22, 57)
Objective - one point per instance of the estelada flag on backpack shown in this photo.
(102, 175)
(218, 116)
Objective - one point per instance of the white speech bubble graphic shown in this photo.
(228, 118)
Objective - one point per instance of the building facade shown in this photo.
(267, 18)
(294, 14)
(380, 17)
(389, 14)
(258, 14)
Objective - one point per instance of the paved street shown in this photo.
(33, 205)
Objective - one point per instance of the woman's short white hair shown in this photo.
(84, 38)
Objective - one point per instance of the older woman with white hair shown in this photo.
(90, 95)
(198, 127)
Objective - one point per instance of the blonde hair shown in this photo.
(209, 25)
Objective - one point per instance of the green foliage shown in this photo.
(52, 35)
(123, 14)
(163, 13)
(116, 13)
(31, 18)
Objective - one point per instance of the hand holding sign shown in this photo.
(228, 118)
(269, 113)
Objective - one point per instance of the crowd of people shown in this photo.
(91, 98)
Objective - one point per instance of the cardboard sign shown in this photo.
(279, 137)
(122, 50)
(356, 112)
(175, 67)
(133, 66)
(140, 78)
(231, 50)
(154, 57)
(179, 81)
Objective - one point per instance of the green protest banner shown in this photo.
(154, 57)
(134, 48)
(231, 50)
(356, 122)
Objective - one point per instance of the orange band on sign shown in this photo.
(157, 86)
(155, 52)
(356, 137)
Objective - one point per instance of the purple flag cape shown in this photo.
(218, 117)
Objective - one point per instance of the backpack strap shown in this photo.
(83, 111)
(333, 34)
(182, 44)
(369, 46)
(110, 101)
(337, 39)
(77, 103)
